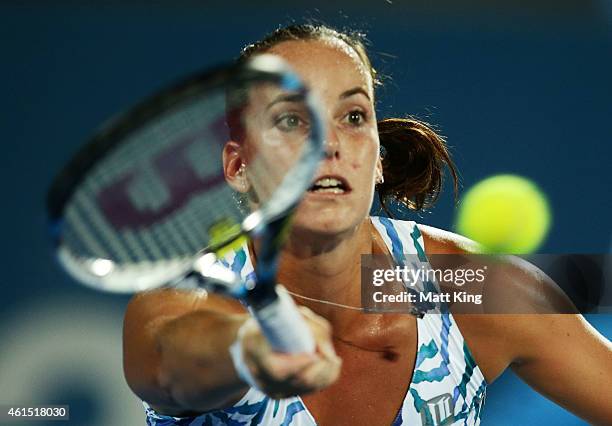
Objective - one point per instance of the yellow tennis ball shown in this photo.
(506, 214)
(222, 231)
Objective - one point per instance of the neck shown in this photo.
(327, 268)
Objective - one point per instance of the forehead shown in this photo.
(325, 64)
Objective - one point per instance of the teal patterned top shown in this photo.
(447, 386)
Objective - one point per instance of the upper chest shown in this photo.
(376, 373)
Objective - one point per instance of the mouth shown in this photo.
(336, 185)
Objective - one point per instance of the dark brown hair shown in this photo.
(414, 156)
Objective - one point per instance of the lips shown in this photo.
(330, 185)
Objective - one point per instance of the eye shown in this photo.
(356, 117)
(288, 122)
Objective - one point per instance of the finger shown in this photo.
(326, 349)
(318, 320)
(317, 376)
(279, 366)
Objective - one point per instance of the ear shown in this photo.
(379, 171)
(234, 167)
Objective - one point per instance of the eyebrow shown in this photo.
(286, 97)
(354, 91)
(299, 97)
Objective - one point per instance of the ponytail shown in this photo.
(413, 157)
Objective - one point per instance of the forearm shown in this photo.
(568, 361)
(195, 368)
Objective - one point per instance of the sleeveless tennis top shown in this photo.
(447, 386)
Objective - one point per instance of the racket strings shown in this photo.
(178, 234)
(161, 193)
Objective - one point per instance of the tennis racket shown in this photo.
(162, 191)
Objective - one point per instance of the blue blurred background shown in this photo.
(516, 87)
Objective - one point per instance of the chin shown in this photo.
(327, 220)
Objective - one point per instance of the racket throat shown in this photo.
(272, 236)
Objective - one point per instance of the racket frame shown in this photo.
(277, 315)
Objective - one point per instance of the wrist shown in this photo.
(237, 355)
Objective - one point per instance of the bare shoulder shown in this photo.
(519, 300)
(440, 241)
(513, 285)
(149, 310)
(169, 302)
(533, 328)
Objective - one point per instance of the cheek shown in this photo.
(364, 152)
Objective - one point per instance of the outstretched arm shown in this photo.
(564, 358)
(176, 353)
(559, 354)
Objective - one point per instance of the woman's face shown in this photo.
(343, 187)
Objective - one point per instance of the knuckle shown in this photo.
(323, 325)
(306, 312)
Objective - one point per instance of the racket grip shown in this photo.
(284, 326)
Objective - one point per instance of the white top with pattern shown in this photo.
(447, 387)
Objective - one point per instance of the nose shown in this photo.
(332, 145)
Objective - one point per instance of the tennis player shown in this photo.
(199, 359)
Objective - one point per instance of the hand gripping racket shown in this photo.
(163, 190)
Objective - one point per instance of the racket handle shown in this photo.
(284, 326)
